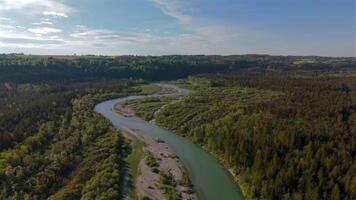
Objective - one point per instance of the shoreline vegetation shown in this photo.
(160, 173)
(288, 146)
(141, 108)
(74, 151)
(148, 179)
(240, 117)
(209, 92)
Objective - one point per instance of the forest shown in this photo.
(24, 68)
(286, 124)
(287, 136)
(54, 146)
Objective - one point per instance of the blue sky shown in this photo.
(158, 27)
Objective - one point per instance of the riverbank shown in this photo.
(240, 180)
(147, 180)
(211, 180)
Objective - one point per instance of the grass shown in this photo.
(325, 74)
(182, 83)
(168, 185)
(246, 189)
(149, 89)
(145, 108)
(304, 61)
(192, 83)
(133, 161)
(153, 89)
(151, 162)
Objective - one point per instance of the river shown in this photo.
(211, 180)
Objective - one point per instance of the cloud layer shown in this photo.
(44, 33)
(35, 6)
(50, 26)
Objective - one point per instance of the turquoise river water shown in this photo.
(211, 180)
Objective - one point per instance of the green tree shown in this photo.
(335, 194)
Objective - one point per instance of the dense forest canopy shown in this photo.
(53, 145)
(23, 68)
(289, 136)
(284, 123)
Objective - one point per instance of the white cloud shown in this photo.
(55, 14)
(5, 26)
(172, 8)
(109, 36)
(202, 35)
(20, 38)
(35, 6)
(14, 35)
(199, 35)
(43, 22)
(85, 33)
(44, 30)
(82, 40)
(5, 19)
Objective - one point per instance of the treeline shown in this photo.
(24, 69)
(24, 106)
(54, 146)
(287, 136)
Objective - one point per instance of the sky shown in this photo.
(161, 27)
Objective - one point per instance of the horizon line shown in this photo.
(162, 55)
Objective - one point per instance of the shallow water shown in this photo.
(211, 180)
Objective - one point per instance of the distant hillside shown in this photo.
(22, 68)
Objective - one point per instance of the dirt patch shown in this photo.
(125, 111)
(148, 182)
